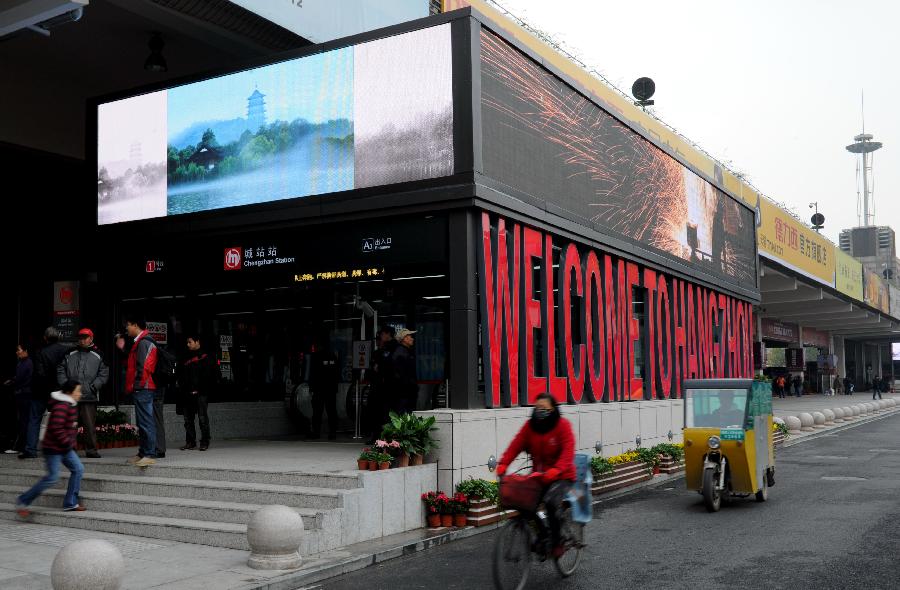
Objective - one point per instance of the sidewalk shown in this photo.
(791, 406)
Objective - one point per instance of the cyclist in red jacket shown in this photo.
(549, 439)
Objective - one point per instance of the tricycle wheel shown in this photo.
(712, 497)
(763, 494)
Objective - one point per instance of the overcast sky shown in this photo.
(770, 87)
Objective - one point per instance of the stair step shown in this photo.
(181, 508)
(223, 491)
(233, 536)
(340, 481)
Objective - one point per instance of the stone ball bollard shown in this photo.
(818, 420)
(857, 411)
(838, 414)
(848, 413)
(92, 564)
(806, 422)
(274, 534)
(891, 402)
(793, 423)
(829, 417)
(885, 404)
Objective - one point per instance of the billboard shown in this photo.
(877, 294)
(675, 145)
(324, 20)
(848, 275)
(545, 139)
(894, 300)
(786, 240)
(376, 113)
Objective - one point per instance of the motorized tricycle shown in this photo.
(728, 449)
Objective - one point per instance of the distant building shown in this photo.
(256, 110)
(875, 247)
(206, 157)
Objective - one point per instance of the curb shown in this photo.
(322, 572)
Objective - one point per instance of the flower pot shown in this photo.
(384, 465)
(373, 466)
(446, 520)
(434, 521)
(416, 459)
(403, 460)
(459, 520)
(656, 470)
(363, 464)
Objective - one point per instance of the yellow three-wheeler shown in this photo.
(728, 448)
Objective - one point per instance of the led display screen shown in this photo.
(371, 114)
(543, 138)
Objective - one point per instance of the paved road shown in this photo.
(818, 530)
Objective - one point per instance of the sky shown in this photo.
(317, 88)
(771, 88)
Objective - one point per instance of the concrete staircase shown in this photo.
(187, 504)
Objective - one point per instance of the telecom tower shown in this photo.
(864, 145)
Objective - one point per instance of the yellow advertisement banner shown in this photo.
(786, 240)
(848, 275)
(877, 293)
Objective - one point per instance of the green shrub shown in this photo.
(480, 488)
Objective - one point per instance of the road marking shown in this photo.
(829, 457)
(843, 478)
(884, 450)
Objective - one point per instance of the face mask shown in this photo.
(541, 414)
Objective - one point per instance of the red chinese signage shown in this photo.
(690, 331)
(233, 258)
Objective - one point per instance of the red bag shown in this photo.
(518, 492)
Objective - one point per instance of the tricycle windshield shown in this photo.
(715, 408)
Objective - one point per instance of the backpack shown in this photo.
(164, 371)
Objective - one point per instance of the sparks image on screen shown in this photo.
(377, 113)
(543, 138)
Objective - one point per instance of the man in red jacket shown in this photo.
(549, 439)
(58, 447)
(139, 383)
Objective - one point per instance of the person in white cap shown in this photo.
(405, 385)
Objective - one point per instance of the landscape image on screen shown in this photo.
(262, 135)
(376, 113)
(131, 158)
(545, 139)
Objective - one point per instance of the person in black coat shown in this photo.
(198, 379)
(43, 384)
(404, 384)
(379, 392)
(323, 385)
(21, 386)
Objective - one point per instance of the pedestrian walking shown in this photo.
(323, 385)
(43, 384)
(404, 383)
(848, 386)
(798, 385)
(779, 385)
(21, 385)
(85, 364)
(838, 384)
(58, 447)
(876, 388)
(199, 376)
(379, 393)
(142, 358)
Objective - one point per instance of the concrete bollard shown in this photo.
(857, 411)
(829, 417)
(818, 420)
(92, 564)
(806, 422)
(274, 534)
(838, 414)
(885, 404)
(793, 424)
(892, 402)
(848, 413)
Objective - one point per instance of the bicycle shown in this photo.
(527, 535)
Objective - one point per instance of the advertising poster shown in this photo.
(159, 331)
(894, 301)
(848, 275)
(877, 294)
(786, 240)
(376, 113)
(66, 310)
(546, 140)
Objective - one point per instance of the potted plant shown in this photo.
(479, 489)
(383, 460)
(459, 505)
(445, 507)
(433, 502)
(402, 430)
(650, 458)
(363, 461)
(423, 441)
(393, 449)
